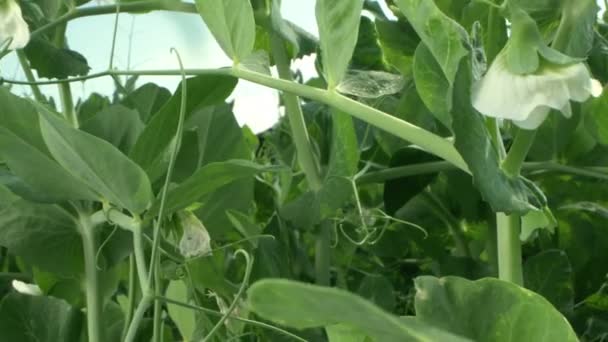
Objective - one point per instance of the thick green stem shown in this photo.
(322, 254)
(93, 298)
(143, 306)
(509, 248)
(517, 154)
(293, 109)
(428, 141)
(29, 75)
(140, 259)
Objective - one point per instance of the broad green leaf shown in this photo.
(52, 62)
(283, 28)
(147, 100)
(184, 318)
(218, 124)
(94, 104)
(432, 85)
(303, 306)
(151, 151)
(368, 53)
(26, 318)
(232, 24)
(550, 274)
(595, 120)
(53, 185)
(24, 151)
(398, 41)
(43, 235)
(338, 22)
(344, 333)
(443, 36)
(489, 310)
(98, 164)
(379, 290)
(206, 180)
(343, 164)
(117, 125)
(502, 192)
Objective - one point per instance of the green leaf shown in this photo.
(152, 148)
(43, 235)
(117, 125)
(489, 310)
(578, 21)
(24, 151)
(344, 333)
(98, 164)
(147, 100)
(52, 62)
(398, 41)
(205, 181)
(502, 192)
(379, 290)
(443, 36)
(550, 274)
(595, 119)
(432, 85)
(232, 24)
(338, 22)
(301, 306)
(184, 318)
(27, 318)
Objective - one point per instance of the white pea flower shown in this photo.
(528, 78)
(13, 28)
(195, 240)
(25, 288)
(528, 99)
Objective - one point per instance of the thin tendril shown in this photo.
(165, 190)
(114, 36)
(103, 244)
(238, 295)
(244, 320)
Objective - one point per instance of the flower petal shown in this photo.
(534, 120)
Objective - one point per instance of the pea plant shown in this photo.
(443, 178)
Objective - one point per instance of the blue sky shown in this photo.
(144, 42)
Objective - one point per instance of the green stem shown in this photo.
(140, 259)
(509, 248)
(403, 129)
(293, 109)
(322, 254)
(158, 325)
(65, 92)
(93, 298)
(441, 166)
(131, 296)
(29, 75)
(517, 153)
(143, 306)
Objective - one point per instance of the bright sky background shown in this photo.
(144, 42)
